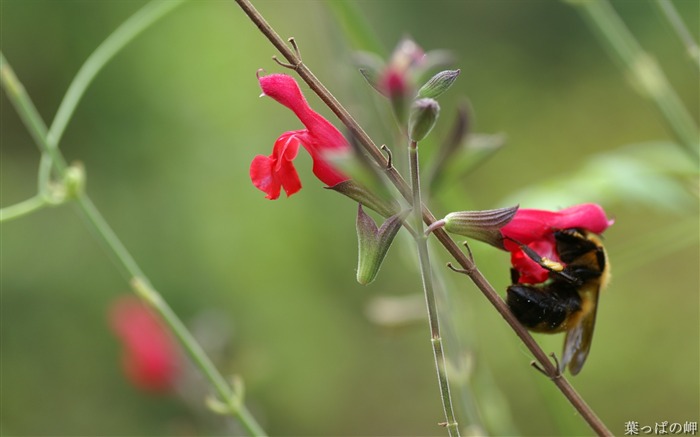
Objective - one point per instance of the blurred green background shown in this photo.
(167, 132)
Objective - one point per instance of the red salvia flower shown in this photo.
(150, 358)
(396, 80)
(535, 228)
(275, 172)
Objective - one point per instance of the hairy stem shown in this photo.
(452, 248)
(427, 280)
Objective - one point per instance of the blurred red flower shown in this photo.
(396, 79)
(535, 228)
(150, 357)
(272, 173)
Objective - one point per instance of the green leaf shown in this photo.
(656, 174)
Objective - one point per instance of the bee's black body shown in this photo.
(568, 300)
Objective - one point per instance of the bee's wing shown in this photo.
(578, 338)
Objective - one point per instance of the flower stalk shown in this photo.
(427, 281)
(53, 160)
(445, 240)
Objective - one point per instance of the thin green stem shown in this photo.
(23, 208)
(124, 261)
(143, 288)
(27, 111)
(427, 280)
(645, 72)
(44, 174)
(428, 218)
(681, 30)
(115, 42)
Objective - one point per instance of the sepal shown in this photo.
(374, 243)
(438, 84)
(481, 225)
(363, 196)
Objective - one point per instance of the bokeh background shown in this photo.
(167, 132)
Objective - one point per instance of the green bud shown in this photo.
(480, 225)
(424, 114)
(438, 84)
(74, 180)
(374, 243)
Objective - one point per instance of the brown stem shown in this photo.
(398, 181)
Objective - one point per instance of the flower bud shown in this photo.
(74, 180)
(438, 84)
(481, 225)
(424, 114)
(374, 243)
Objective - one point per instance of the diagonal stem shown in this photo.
(681, 30)
(643, 69)
(452, 248)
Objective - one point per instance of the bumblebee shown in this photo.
(568, 300)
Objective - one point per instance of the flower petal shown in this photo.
(325, 172)
(150, 357)
(532, 224)
(588, 216)
(529, 271)
(263, 177)
(272, 173)
(285, 90)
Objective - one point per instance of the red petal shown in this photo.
(150, 356)
(326, 173)
(263, 178)
(285, 90)
(272, 173)
(588, 216)
(531, 272)
(533, 224)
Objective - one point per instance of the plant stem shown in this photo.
(427, 280)
(428, 218)
(644, 70)
(684, 35)
(124, 261)
(23, 208)
(115, 42)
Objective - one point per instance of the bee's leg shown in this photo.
(557, 372)
(547, 264)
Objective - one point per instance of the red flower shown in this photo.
(396, 79)
(150, 358)
(535, 228)
(271, 173)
